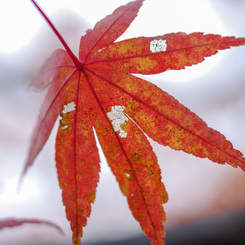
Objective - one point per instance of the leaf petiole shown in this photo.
(75, 60)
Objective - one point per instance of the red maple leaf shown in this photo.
(98, 93)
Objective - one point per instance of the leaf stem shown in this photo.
(75, 60)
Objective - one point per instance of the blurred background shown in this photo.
(206, 201)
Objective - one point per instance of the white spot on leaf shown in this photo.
(118, 118)
(69, 107)
(64, 127)
(158, 45)
(128, 175)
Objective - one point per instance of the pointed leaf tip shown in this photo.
(107, 30)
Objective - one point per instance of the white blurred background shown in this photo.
(198, 189)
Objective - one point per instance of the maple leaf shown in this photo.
(97, 93)
(11, 222)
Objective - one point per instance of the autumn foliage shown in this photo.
(96, 93)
